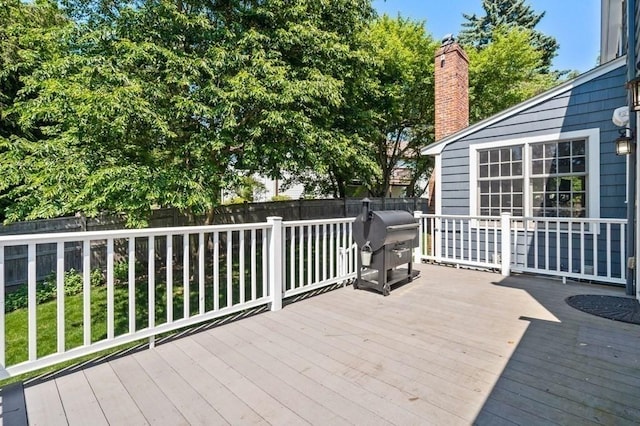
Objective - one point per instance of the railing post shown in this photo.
(437, 237)
(505, 258)
(417, 251)
(275, 262)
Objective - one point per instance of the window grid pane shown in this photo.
(500, 182)
(558, 183)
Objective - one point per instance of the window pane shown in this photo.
(538, 200)
(550, 150)
(577, 201)
(564, 199)
(484, 157)
(495, 200)
(578, 183)
(505, 155)
(505, 169)
(517, 185)
(551, 184)
(579, 164)
(516, 169)
(494, 170)
(516, 153)
(550, 167)
(484, 171)
(517, 200)
(537, 184)
(537, 167)
(550, 200)
(564, 149)
(494, 156)
(484, 201)
(484, 187)
(495, 186)
(506, 201)
(537, 151)
(579, 147)
(564, 165)
(505, 186)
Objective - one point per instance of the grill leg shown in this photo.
(386, 289)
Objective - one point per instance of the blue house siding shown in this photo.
(587, 106)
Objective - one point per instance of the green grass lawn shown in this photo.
(16, 327)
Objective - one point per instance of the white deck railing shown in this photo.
(160, 280)
(174, 277)
(589, 249)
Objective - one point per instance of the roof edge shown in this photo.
(438, 147)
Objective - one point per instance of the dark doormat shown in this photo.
(623, 309)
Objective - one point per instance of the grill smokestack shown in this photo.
(451, 88)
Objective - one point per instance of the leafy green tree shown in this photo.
(479, 31)
(162, 103)
(27, 37)
(505, 73)
(400, 98)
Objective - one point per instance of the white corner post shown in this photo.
(417, 251)
(505, 231)
(275, 262)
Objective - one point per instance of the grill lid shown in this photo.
(378, 228)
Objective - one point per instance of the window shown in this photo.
(544, 176)
(559, 179)
(500, 180)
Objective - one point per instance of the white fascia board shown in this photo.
(438, 147)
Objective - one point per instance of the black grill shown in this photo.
(386, 240)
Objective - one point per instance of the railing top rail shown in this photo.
(318, 221)
(124, 233)
(529, 218)
(571, 219)
(460, 216)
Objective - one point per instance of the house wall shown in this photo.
(587, 106)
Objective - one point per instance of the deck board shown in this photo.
(80, 403)
(230, 407)
(453, 347)
(152, 401)
(116, 404)
(188, 401)
(44, 406)
(256, 398)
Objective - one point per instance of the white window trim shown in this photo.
(593, 167)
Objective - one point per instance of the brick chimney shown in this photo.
(451, 88)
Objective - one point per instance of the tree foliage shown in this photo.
(161, 103)
(399, 101)
(479, 31)
(504, 73)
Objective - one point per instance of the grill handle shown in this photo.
(402, 227)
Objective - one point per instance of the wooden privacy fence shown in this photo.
(16, 257)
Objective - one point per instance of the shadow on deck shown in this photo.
(453, 347)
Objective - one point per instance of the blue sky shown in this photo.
(574, 23)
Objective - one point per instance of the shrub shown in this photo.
(46, 289)
(281, 197)
(121, 272)
(96, 278)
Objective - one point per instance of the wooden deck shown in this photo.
(453, 347)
